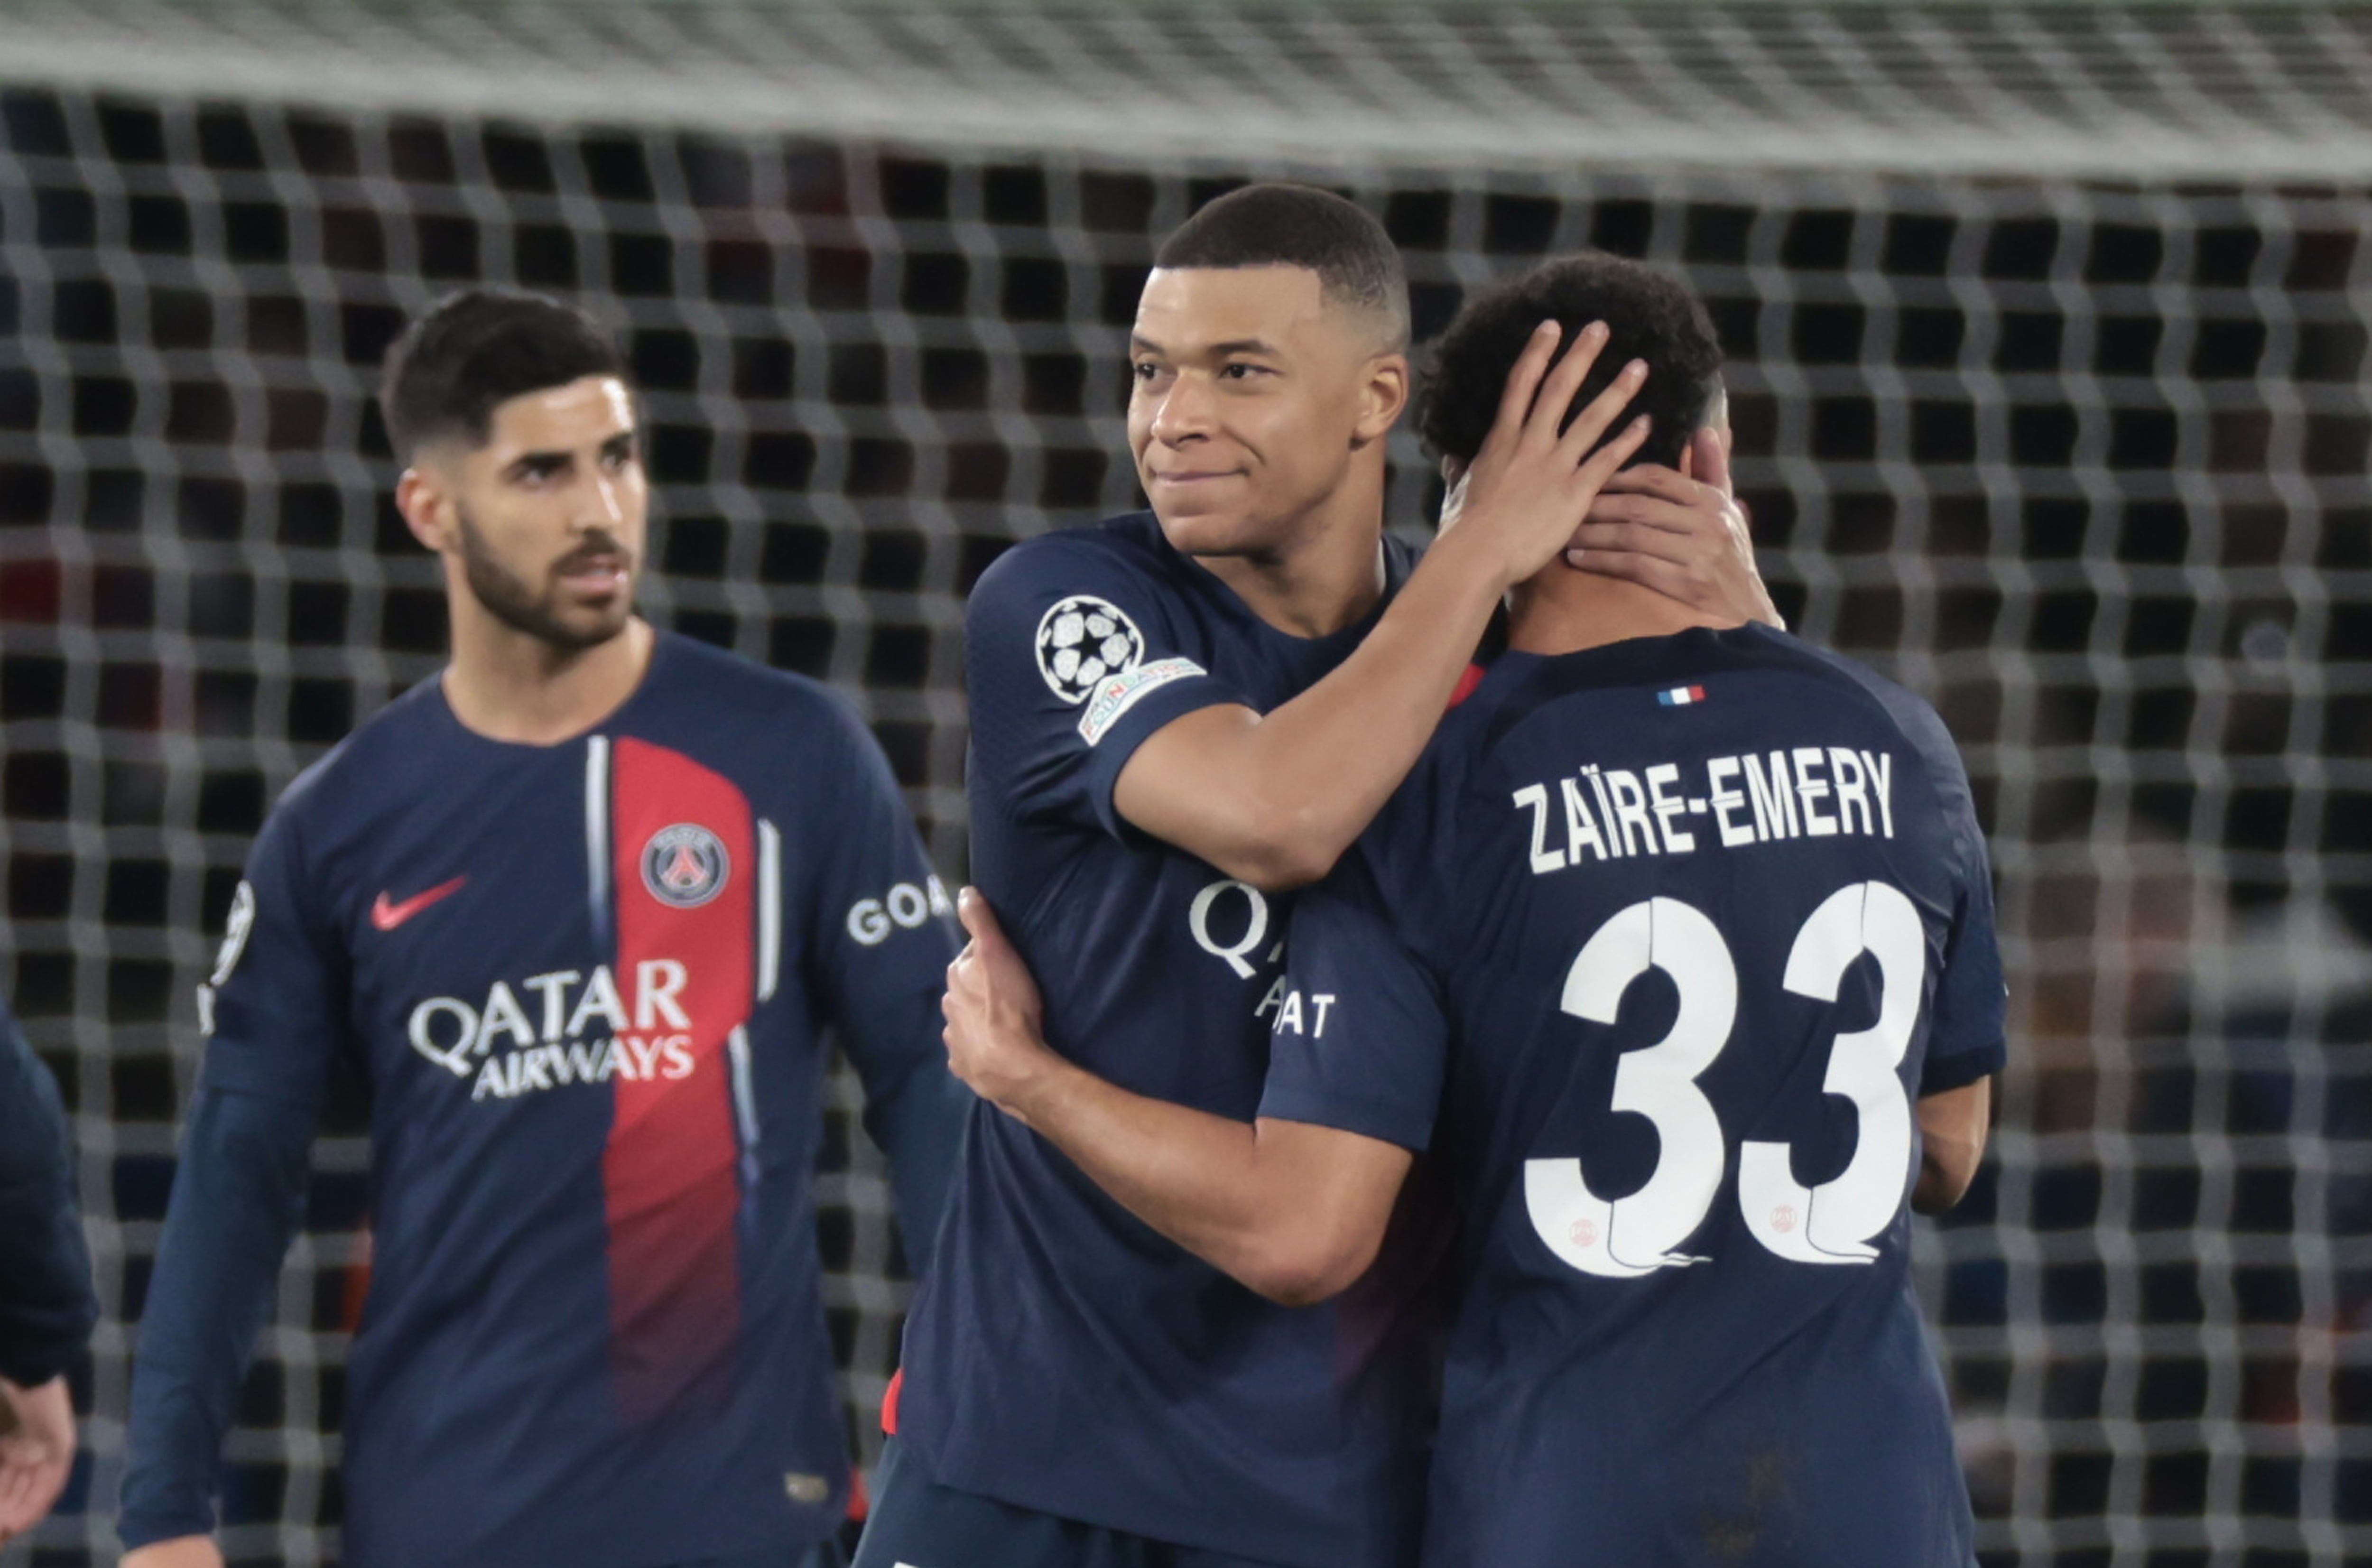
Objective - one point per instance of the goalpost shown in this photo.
(2047, 329)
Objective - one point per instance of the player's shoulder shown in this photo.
(720, 679)
(1904, 711)
(1125, 554)
(384, 756)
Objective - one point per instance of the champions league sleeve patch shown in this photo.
(1083, 639)
(234, 943)
(235, 934)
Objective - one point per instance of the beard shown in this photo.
(509, 598)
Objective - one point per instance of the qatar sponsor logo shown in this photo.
(905, 907)
(1081, 639)
(685, 865)
(560, 1028)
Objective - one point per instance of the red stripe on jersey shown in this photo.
(1466, 684)
(684, 973)
(890, 1403)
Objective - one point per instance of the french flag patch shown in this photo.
(1681, 696)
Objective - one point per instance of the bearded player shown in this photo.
(1175, 716)
(1674, 958)
(579, 908)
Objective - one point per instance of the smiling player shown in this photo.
(1175, 716)
(577, 910)
(1674, 958)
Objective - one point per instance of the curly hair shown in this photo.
(1648, 316)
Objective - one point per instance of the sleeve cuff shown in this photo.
(1944, 1074)
(1369, 1118)
(1114, 745)
(136, 1530)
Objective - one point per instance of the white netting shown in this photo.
(2086, 464)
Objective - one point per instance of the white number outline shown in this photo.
(1833, 1223)
(1635, 1235)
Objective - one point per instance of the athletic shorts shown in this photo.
(917, 1523)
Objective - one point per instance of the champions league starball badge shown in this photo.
(1081, 639)
(685, 865)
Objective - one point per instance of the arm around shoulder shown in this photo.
(1291, 1209)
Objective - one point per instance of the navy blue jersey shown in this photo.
(586, 984)
(1653, 953)
(1060, 1355)
(47, 1306)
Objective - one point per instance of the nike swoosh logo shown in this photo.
(387, 916)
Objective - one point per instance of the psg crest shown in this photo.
(685, 865)
(1081, 639)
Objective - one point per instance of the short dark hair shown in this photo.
(1648, 316)
(1298, 226)
(472, 350)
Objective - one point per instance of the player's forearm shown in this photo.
(238, 1195)
(1199, 1179)
(914, 1109)
(1277, 800)
(1952, 1127)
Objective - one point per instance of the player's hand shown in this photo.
(181, 1551)
(1529, 486)
(1685, 538)
(37, 1452)
(995, 1043)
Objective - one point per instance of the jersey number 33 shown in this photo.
(1832, 1223)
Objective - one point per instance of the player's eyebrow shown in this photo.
(620, 445)
(547, 461)
(1140, 343)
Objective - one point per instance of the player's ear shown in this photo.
(420, 496)
(1383, 397)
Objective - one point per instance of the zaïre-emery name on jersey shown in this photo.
(1060, 1355)
(587, 985)
(1653, 954)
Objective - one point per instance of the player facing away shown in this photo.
(1175, 715)
(579, 910)
(1674, 960)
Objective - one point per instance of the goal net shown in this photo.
(2047, 331)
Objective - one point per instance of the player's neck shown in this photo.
(506, 685)
(1563, 612)
(1329, 575)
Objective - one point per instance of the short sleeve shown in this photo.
(274, 1007)
(1361, 1039)
(1072, 659)
(884, 925)
(1967, 1041)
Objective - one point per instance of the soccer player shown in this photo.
(1175, 715)
(47, 1306)
(577, 910)
(1675, 959)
